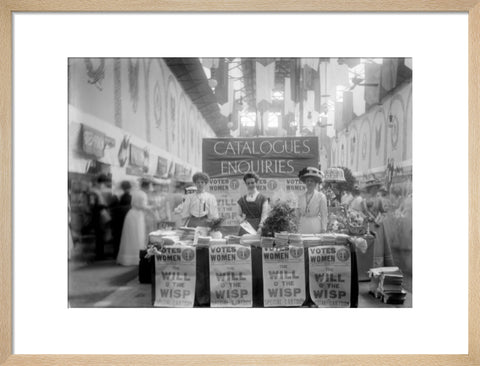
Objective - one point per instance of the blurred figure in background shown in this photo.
(347, 197)
(135, 228)
(119, 213)
(101, 201)
(160, 203)
(380, 205)
(359, 203)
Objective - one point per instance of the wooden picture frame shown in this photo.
(8, 7)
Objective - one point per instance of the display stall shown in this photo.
(290, 270)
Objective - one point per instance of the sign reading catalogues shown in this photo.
(283, 276)
(230, 276)
(280, 157)
(330, 275)
(175, 270)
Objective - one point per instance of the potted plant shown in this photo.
(281, 218)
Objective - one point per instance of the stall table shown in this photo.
(202, 288)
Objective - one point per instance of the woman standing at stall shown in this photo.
(312, 206)
(252, 207)
(200, 207)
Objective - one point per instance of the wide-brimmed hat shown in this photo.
(190, 188)
(310, 172)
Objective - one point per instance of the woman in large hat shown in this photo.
(312, 206)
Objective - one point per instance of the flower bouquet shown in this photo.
(356, 222)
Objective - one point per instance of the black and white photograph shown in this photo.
(240, 182)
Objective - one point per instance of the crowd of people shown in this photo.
(116, 215)
(121, 217)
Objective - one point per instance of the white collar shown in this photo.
(254, 195)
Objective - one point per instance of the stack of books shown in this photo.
(233, 239)
(386, 284)
(186, 233)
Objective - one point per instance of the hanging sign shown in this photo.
(137, 156)
(175, 271)
(330, 275)
(281, 157)
(283, 276)
(123, 151)
(230, 276)
(93, 141)
(139, 160)
(162, 167)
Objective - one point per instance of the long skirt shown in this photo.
(134, 238)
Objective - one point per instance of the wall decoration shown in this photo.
(378, 138)
(123, 151)
(157, 105)
(93, 142)
(182, 120)
(133, 71)
(353, 149)
(146, 159)
(172, 143)
(162, 167)
(95, 74)
(364, 145)
(394, 133)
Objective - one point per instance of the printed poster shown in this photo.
(283, 276)
(230, 276)
(175, 275)
(228, 191)
(330, 275)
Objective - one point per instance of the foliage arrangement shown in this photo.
(281, 218)
(350, 180)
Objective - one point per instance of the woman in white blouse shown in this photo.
(312, 206)
(201, 206)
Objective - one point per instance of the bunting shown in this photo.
(347, 113)
(221, 75)
(295, 80)
(372, 76)
(226, 107)
(264, 82)
(388, 75)
(288, 105)
(310, 72)
(318, 92)
(210, 63)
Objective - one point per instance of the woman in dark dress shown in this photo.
(253, 207)
(118, 214)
